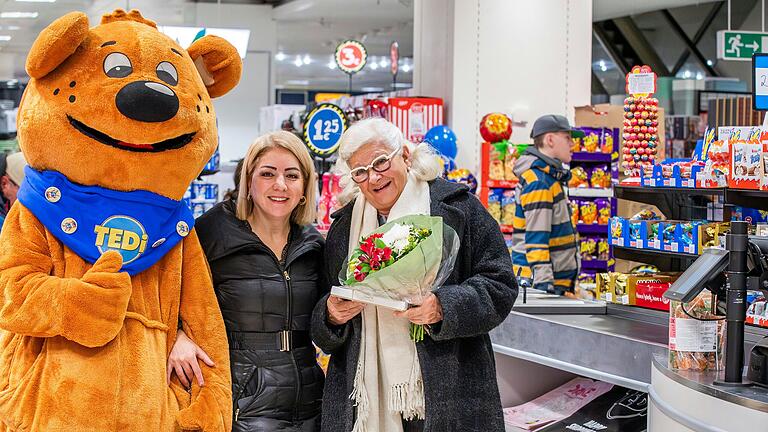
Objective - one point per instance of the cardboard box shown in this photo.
(415, 116)
(625, 285)
(746, 165)
(651, 295)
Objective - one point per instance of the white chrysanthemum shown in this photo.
(397, 236)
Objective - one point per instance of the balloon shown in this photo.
(443, 140)
(495, 127)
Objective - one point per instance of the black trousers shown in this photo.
(413, 426)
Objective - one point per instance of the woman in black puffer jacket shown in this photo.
(266, 266)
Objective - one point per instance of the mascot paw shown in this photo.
(204, 414)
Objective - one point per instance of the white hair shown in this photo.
(425, 163)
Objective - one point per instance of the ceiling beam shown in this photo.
(640, 44)
(609, 48)
(689, 44)
(697, 37)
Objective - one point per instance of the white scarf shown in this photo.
(388, 385)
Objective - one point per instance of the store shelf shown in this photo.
(591, 157)
(670, 201)
(747, 198)
(596, 264)
(501, 184)
(665, 261)
(592, 229)
(590, 193)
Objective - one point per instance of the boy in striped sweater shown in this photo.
(545, 252)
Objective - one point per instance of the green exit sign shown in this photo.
(740, 45)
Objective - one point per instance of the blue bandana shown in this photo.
(90, 220)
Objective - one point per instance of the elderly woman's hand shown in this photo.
(429, 312)
(340, 311)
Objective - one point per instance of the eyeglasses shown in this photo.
(380, 164)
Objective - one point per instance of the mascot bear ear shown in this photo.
(218, 63)
(56, 43)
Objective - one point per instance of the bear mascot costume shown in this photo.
(99, 261)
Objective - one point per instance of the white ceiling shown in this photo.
(304, 27)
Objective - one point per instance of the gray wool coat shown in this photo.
(457, 361)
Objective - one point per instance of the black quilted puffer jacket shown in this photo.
(261, 295)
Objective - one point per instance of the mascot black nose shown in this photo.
(147, 101)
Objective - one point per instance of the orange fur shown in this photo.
(84, 347)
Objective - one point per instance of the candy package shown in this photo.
(603, 211)
(696, 335)
(600, 177)
(579, 177)
(508, 207)
(587, 212)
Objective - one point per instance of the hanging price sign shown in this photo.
(394, 57)
(351, 56)
(323, 129)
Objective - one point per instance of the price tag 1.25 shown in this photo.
(323, 129)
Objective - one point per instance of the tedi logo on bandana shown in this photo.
(123, 234)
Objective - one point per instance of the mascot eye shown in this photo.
(166, 72)
(117, 65)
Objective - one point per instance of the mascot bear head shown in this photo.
(121, 105)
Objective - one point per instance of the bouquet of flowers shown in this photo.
(400, 263)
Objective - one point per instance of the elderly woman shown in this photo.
(447, 382)
(265, 260)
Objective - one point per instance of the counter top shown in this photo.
(753, 397)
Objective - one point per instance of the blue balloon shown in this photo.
(443, 140)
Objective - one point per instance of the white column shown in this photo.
(524, 58)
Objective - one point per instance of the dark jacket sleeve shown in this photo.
(482, 301)
(325, 335)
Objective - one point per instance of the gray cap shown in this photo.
(554, 123)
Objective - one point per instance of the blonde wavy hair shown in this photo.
(303, 214)
(425, 163)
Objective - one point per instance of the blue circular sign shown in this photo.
(123, 234)
(323, 129)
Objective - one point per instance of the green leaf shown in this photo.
(380, 243)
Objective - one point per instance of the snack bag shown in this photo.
(496, 164)
(494, 204)
(509, 162)
(607, 141)
(603, 249)
(591, 141)
(588, 248)
(601, 177)
(579, 177)
(507, 207)
(574, 212)
(603, 211)
(588, 212)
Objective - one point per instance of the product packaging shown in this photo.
(507, 207)
(579, 178)
(603, 211)
(601, 177)
(696, 335)
(588, 212)
(494, 204)
(415, 116)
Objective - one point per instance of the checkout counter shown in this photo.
(547, 340)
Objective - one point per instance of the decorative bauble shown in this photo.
(443, 140)
(495, 127)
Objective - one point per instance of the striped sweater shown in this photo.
(544, 237)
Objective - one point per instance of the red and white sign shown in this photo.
(394, 57)
(651, 295)
(415, 116)
(351, 56)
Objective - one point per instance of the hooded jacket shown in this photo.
(544, 236)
